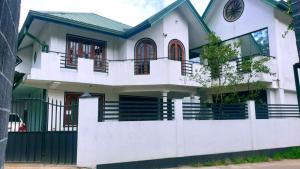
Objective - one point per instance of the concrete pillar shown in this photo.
(251, 110)
(165, 104)
(271, 96)
(87, 120)
(280, 96)
(9, 21)
(179, 127)
(252, 118)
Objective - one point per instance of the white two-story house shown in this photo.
(62, 55)
(142, 73)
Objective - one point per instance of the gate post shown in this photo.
(179, 127)
(252, 118)
(87, 122)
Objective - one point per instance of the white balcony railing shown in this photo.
(118, 73)
(121, 72)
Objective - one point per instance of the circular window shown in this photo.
(233, 10)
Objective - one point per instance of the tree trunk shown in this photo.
(296, 20)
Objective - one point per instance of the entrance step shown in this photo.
(39, 166)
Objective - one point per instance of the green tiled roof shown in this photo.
(94, 22)
(88, 19)
(91, 19)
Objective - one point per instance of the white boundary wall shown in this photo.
(114, 142)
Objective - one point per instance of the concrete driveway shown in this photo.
(285, 164)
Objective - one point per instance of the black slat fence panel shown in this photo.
(136, 111)
(202, 111)
(50, 135)
(269, 111)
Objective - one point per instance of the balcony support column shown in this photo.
(165, 104)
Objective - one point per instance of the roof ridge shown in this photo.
(111, 19)
(79, 13)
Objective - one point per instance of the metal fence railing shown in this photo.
(100, 65)
(42, 131)
(142, 66)
(197, 111)
(39, 115)
(68, 62)
(186, 68)
(71, 62)
(136, 111)
(267, 111)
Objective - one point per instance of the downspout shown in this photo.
(296, 20)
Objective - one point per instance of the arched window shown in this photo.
(145, 50)
(177, 52)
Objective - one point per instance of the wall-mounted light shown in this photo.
(165, 35)
(54, 85)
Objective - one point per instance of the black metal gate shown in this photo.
(42, 131)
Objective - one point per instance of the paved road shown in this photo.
(36, 166)
(286, 164)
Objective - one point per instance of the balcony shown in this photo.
(100, 65)
(235, 66)
(162, 71)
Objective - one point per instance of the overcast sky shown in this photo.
(130, 12)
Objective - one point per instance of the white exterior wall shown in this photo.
(115, 142)
(283, 49)
(287, 54)
(249, 21)
(257, 15)
(26, 56)
(290, 97)
(155, 33)
(176, 27)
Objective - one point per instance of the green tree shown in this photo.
(220, 73)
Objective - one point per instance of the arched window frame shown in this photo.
(146, 60)
(147, 40)
(176, 42)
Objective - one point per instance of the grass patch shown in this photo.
(292, 153)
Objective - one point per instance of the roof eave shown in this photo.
(209, 6)
(44, 17)
(137, 29)
(199, 18)
(156, 18)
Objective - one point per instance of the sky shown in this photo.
(130, 12)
